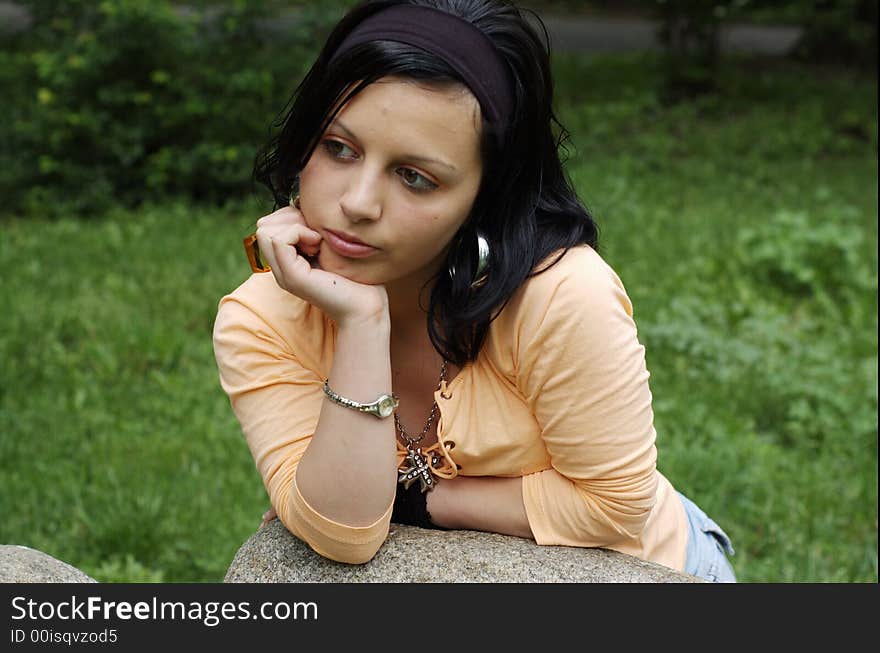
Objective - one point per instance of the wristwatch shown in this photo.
(383, 406)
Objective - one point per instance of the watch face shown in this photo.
(386, 406)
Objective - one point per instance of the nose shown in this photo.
(362, 199)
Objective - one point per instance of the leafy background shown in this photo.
(743, 222)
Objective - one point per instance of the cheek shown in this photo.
(310, 173)
(319, 183)
(433, 232)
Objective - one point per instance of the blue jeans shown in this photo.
(707, 544)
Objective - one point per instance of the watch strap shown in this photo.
(381, 408)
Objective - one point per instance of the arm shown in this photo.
(348, 472)
(280, 404)
(329, 470)
(582, 371)
(491, 504)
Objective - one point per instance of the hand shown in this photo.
(268, 516)
(437, 502)
(284, 238)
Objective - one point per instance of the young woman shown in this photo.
(432, 337)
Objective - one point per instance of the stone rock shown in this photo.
(416, 555)
(20, 564)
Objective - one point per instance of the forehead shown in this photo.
(442, 119)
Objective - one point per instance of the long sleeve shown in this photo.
(582, 371)
(272, 353)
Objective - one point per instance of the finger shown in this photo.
(267, 253)
(287, 230)
(291, 232)
(292, 267)
(306, 241)
(284, 215)
(293, 215)
(273, 218)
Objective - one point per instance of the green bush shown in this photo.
(841, 32)
(113, 102)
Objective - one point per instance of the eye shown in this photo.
(335, 149)
(411, 178)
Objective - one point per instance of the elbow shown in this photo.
(352, 555)
(350, 551)
(634, 524)
(626, 512)
(353, 545)
(615, 524)
(633, 512)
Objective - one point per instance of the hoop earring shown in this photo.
(483, 255)
(294, 196)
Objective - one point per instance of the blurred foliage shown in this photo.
(842, 32)
(112, 102)
(691, 33)
(109, 102)
(834, 31)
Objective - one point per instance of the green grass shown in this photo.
(744, 227)
(118, 452)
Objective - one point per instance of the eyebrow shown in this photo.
(410, 157)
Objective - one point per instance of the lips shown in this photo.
(351, 239)
(348, 246)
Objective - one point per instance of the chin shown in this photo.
(353, 270)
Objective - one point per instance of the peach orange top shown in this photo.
(557, 395)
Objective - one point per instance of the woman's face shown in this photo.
(398, 169)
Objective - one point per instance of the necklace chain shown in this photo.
(410, 441)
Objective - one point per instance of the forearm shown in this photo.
(492, 504)
(347, 473)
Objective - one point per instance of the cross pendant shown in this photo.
(418, 469)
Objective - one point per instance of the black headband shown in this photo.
(462, 45)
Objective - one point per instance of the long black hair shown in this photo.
(526, 206)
